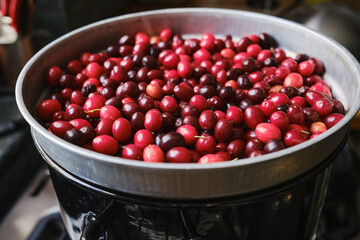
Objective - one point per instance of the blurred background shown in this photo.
(26, 196)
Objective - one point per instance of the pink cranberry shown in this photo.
(267, 131)
(210, 158)
(153, 153)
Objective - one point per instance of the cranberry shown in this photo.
(53, 75)
(104, 127)
(295, 114)
(210, 158)
(79, 123)
(332, 119)
(153, 120)
(183, 92)
(253, 116)
(267, 131)
(172, 139)
(205, 144)
(317, 127)
(74, 136)
(131, 151)
(207, 120)
(323, 106)
(121, 130)
(143, 138)
(153, 153)
(236, 148)
(274, 145)
(110, 112)
(253, 145)
(293, 79)
(223, 130)
(268, 107)
(293, 138)
(188, 132)
(179, 155)
(105, 144)
(60, 127)
(47, 108)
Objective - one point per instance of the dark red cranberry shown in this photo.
(267, 41)
(114, 101)
(311, 115)
(74, 136)
(253, 145)
(274, 145)
(130, 108)
(168, 121)
(183, 92)
(249, 65)
(227, 93)
(245, 103)
(207, 91)
(171, 140)
(244, 82)
(257, 95)
(236, 148)
(223, 130)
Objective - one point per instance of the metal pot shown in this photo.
(191, 181)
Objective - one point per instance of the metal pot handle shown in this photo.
(94, 230)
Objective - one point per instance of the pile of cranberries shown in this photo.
(169, 99)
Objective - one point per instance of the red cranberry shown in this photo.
(143, 138)
(188, 132)
(253, 116)
(179, 155)
(323, 106)
(131, 151)
(332, 119)
(60, 127)
(205, 144)
(104, 127)
(121, 130)
(47, 108)
(105, 144)
(280, 119)
(207, 120)
(293, 138)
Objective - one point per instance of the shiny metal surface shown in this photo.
(191, 181)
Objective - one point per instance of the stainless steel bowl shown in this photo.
(191, 181)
